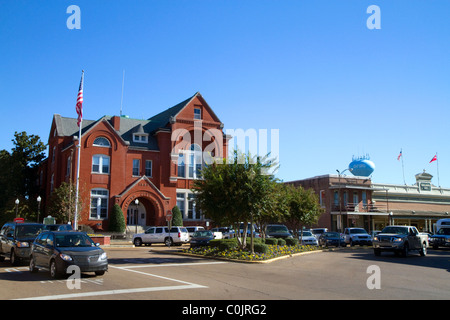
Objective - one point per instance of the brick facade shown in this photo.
(124, 159)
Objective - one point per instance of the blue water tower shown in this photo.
(361, 166)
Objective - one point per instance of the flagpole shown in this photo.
(437, 165)
(403, 168)
(75, 222)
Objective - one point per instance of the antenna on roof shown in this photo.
(121, 99)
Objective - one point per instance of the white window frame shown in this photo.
(101, 202)
(197, 115)
(101, 158)
(191, 160)
(140, 138)
(185, 197)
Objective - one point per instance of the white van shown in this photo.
(177, 236)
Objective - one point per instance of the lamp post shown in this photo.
(17, 206)
(136, 202)
(39, 206)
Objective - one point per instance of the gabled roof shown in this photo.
(68, 126)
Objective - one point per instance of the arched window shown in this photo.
(101, 142)
(190, 162)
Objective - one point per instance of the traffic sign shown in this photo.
(169, 215)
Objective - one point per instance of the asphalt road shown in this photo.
(145, 273)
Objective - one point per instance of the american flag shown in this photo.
(79, 106)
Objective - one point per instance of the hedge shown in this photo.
(292, 241)
(272, 241)
(281, 242)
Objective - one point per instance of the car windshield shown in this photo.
(73, 240)
(444, 231)
(331, 234)
(357, 231)
(277, 229)
(307, 234)
(318, 231)
(396, 230)
(201, 234)
(28, 230)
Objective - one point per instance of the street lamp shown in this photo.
(39, 206)
(136, 202)
(17, 206)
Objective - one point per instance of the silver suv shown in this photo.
(176, 235)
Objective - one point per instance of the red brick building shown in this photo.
(124, 159)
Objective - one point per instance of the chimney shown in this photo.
(116, 123)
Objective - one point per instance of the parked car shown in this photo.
(318, 231)
(227, 233)
(400, 240)
(57, 227)
(354, 236)
(442, 236)
(57, 250)
(192, 229)
(201, 238)
(331, 239)
(177, 236)
(277, 231)
(16, 239)
(307, 238)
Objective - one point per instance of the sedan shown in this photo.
(201, 238)
(307, 238)
(57, 250)
(331, 239)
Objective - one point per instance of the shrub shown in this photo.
(261, 247)
(281, 242)
(116, 220)
(223, 244)
(177, 219)
(291, 241)
(271, 241)
(228, 245)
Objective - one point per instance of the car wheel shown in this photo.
(168, 241)
(405, 250)
(33, 268)
(351, 243)
(138, 242)
(423, 251)
(377, 252)
(54, 273)
(14, 260)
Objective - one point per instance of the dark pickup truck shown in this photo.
(16, 239)
(400, 240)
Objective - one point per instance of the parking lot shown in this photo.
(147, 273)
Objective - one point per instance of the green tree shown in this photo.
(19, 170)
(304, 207)
(116, 220)
(62, 202)
(177, 218)
(233, 191)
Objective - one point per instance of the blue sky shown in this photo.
(311, 69)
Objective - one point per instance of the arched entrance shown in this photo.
(141, 212)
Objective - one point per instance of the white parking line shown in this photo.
(167, 265)
(185, 284)
(111, 292)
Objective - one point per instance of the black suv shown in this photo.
(16, 239)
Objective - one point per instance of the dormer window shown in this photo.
(197, 114)
(139, 135)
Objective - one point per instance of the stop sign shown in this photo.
(169, 215)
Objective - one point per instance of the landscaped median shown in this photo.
(265, 250)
